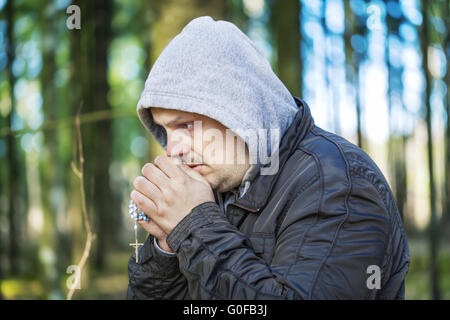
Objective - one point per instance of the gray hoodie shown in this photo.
(213, 69)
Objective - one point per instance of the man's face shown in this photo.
(204, 145)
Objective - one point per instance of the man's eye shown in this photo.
(187, 125)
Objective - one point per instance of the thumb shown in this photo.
(192, 173)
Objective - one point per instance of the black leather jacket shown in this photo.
(309, 232)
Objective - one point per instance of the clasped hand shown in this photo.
(167, 191)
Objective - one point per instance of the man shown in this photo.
(307, 217)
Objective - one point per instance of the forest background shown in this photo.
(375, 72)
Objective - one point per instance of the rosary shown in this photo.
(137, 215)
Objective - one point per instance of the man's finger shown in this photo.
(168, 166)
(144, 203)
(147, 188)
(152, 228)
(155, 175)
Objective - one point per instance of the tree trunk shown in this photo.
(285, 29)
(97, 137)
(105, 207)
(12, 151)
(90, 69)
(353, 60)
(397, 140)
(446, 47)
(236, 14)
(433, 225)
(78, 83)
(326, 32)
(172, 15)
(146, 22)
(50, 166)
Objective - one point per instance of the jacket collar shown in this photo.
(258, 193)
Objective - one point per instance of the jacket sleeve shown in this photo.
(218, 260)
(316, 255)
(155, 276)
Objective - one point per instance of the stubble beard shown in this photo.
(228, 180)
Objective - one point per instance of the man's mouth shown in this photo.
(196, 166)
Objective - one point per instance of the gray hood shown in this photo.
(213, 69)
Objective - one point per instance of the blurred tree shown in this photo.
(446, 48)
(332, 91)
(13, 161)
(3, 163)
(89, 50)
(146, 19)
(285, 29)
(237, 15)
(433, 224)
(49, 161)
(172, 15)
(104, 205)
(354, 29)
(93, 46)
(77, 87)
(397, 137)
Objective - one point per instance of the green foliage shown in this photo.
(52, 71)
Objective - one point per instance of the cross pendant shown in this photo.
(135, 215)
(136, 246)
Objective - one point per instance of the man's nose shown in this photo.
(177, 148)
